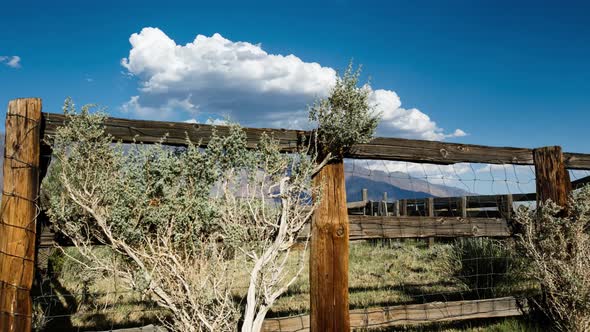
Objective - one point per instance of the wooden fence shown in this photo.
(26, 159)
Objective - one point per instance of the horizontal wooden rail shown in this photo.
(579, 183)
(377, 227)
(473, 202)
(410, 314)
(382, 227)
(176, 133)
(397, 149)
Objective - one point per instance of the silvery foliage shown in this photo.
(345, 117)
(182, 223)
(558, 248)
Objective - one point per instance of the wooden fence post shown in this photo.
(365, 198)
(328, 265)
(429, 209)
(403, 208)
(384, 210)
(552, 178)
(462, 206)
(19, 213)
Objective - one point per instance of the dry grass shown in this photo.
(380, 273)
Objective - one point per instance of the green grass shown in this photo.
(381, 273)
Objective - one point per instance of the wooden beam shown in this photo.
(411, 314)
(328, 265)
(381, 148)
(579, 183)
(552, 177)
(376, 227)
(19, 213)
(176, 133)
(393, 227)
(479, 201)
(356, 205)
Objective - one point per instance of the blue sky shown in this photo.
(504, 73)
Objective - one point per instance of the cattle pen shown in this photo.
(429, 219)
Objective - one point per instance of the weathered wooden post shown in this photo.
(19, 213)
(328, 266)
(552, 178)
(462, 206)
(365, 198)
(429, 209)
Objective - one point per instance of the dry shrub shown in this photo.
(558, 247)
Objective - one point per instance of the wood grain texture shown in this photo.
(378, 227)
(478, 201)
(552, 178)
(328, 265)
(391, 227)
(19, 213)
(177, 133)
(411, 314)
(381, 148)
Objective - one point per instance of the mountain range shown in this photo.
(397, 185)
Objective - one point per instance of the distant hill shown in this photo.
(398, 185)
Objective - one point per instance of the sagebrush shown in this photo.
(173, 217)
(557, 244)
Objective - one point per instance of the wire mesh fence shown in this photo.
(433, 258)
(400, 277)
(430, 243)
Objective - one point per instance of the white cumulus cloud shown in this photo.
(219, 76)
(10, 61)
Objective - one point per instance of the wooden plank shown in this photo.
(356, 205)
(552, 178)
(381, 148)
(579, 183)
(410, 314)
(576, 160)
(19, 213)
(439, 152)
(328, 264)
(475, 201)
(392, 227)
(377, 227)
(176, 133)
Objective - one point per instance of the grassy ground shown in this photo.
(380, 273)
